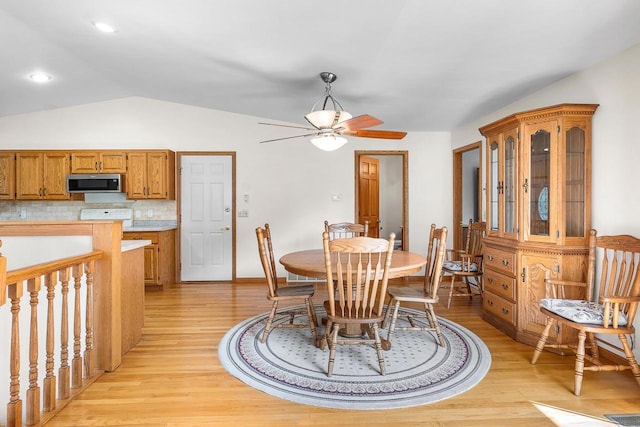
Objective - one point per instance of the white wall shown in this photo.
(289, 182)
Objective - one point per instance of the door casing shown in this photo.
(405, 186)
(457, 190)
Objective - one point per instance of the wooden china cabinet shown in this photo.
(538, 213)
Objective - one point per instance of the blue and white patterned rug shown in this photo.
(419, 371)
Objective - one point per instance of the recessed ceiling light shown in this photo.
(104, 27)
(40, 77)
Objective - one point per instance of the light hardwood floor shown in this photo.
(173, 376)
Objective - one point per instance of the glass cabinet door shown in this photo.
(539, 190)
(502, 184)
(575, 185)
(494, 187)
(509, 183)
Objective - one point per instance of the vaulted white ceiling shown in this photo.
(418, 65)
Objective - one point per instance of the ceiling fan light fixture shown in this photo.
(330, 142)
(326, 119)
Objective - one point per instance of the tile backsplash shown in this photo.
(26, 210)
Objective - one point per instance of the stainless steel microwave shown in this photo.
(95, 183)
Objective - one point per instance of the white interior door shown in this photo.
(206, 233)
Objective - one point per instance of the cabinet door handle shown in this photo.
(96, 167)
(490, 280)
(490, 257)
(505, 262)
(505, 286)
(505, 310)
(489, 302)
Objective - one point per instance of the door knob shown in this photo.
(226, 228)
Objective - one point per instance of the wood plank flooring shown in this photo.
(173, 376)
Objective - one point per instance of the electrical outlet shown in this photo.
(150, 213)
(243, 213)
(23, 213)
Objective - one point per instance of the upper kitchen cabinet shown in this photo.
(151, 174)
(42, 175)
(7, 175)
(98, 162)
(538, 212)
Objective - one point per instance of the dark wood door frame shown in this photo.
(457, 189)
(405, 186)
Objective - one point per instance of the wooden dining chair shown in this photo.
(342, 230)
(427, 296)
(288, 294)
(618, 285)
(357, 275)
(462, 266)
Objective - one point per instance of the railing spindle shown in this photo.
(88, 352)
(33, 392)
(76, 362)
(49, 382)
(63, 372)
(14, 407)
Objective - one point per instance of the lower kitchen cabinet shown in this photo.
(159, 256)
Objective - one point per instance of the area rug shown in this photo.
(419, 371)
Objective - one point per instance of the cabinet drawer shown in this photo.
(500, 284)
(498, 259)
(499, 307)
(151, 235)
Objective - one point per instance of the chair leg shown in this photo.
(579, 369)
(453, 281)
(332, 347)
(387, 313)
(267, 328)
(392, 326)
(466, 282)
(542, 341)
(630, 357)
(378, 344)
(433, 322)
(312, 319)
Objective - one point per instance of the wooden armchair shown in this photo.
(428, 295)
(461, 266)
(287, 294)
(344, 230)
(357, 276)
(613, 314)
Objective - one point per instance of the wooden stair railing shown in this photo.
(81, 371)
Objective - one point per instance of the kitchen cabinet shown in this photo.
(98, 162)
(7, 175)
(42, 175)
(151, 175)
(538, 213)
(159, 256)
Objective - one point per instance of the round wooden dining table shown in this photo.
(310, 263)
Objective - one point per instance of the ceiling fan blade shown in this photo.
(288, 137)
(382, 134)
(359, 122)
(285, 126)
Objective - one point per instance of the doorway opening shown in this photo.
(467, 189)
(382, 194)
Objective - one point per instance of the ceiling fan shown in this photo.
(331, 123)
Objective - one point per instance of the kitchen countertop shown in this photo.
(129, 245)
(151, 226)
